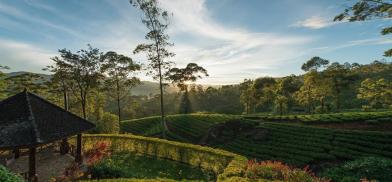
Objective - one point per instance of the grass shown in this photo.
(184, 128)
(130, 165)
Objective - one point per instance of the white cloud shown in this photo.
(26, 55)
(228, 53)
(315, 22)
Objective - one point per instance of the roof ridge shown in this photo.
(32, 118)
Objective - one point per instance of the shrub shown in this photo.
(366, 108)
(7, 176)
(371, 168)
(108, 123)
(100, 151)
(207, 158)
(273, 170)
(130, 165)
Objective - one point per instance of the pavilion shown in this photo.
(28, 121)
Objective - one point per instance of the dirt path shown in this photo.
(48, 165)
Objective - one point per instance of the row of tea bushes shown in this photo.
(224, 164)
(182, 127)
(383, 116)
(302, 145)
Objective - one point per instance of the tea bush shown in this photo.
(329, 118)
(371, 168)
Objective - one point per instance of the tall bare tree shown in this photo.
(156, 20)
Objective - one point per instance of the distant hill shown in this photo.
(145, 88)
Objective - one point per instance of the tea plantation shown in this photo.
(185, 128)
(295, 144)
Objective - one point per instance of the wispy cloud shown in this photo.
(223, 49)
(24, 55)
(20, 15)
(315, 22)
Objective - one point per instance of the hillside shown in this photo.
(294, 143)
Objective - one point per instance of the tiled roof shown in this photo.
(29, 120)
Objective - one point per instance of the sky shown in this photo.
(232, 39)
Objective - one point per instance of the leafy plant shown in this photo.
(7, 176)
(371, 168)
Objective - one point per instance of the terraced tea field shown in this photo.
(296, 144)
(301, 145)
(185, 128)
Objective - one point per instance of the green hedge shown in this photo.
(225, 164)
(7, 176)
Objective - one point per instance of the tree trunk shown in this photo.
(281, 108)
(118, 102)
(162, 108)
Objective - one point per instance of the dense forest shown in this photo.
(325, 87)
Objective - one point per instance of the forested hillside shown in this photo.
(322, 89)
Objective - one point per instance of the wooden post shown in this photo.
(64, 146)
(16, 153)
(78, 157)
(32, 165)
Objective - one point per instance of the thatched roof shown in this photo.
(27, 120)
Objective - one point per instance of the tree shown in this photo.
(83, 70)
(3, 82)
(264, 92)
(286, 87)
(156, 20)
(305, 95)
(60, 80)
(118, 68)
(376, 92)
(281, 104)
(181, 77)
(339, 79)
(247, 95)
(366, 10)
(314, 63)
(30, 81)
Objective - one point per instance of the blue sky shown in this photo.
(232, 39)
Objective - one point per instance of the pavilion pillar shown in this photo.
(64, 146)
(32, 165)
(16, 153)
(78, 157)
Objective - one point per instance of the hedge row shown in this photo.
(224, 164)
